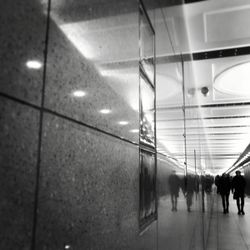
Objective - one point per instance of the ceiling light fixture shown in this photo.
(205, 91)
(191, 92)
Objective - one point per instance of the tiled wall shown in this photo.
(69, 130)
(88, 187)
(69, 172)
(18, 147)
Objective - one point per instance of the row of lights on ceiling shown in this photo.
(34, 64)
(80, 93)
(245, 157)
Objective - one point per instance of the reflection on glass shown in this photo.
(146, 45)
(174, 183)
(74, 33)
(147, 124)
(147, 187)
(148, 211)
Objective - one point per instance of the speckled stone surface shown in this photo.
(18, 147)
(89, 193)
(23, 26)
(107, 84)
(89, 182)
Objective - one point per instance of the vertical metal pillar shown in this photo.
(184, 113)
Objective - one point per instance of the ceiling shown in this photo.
(217, 125)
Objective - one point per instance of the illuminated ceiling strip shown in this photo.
(219, 133)
(210, 154)
(243, 158)
(205, 118)
(218, 105)
(205, 127)
(199, 140)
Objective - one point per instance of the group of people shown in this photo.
(189, 185)
(225, 184)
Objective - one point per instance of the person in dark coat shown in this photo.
(224, 190)
(174, 187)
(189, 188)
(217, 182)
(238, 189)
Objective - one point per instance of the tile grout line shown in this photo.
(51, 112)
(40, 131)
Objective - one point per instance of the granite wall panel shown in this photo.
(18, 158)
(89, 188)
(92, 73)
(89, 182)
(23, 30)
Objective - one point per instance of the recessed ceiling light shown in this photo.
(105, 111)
(34, 64)
(67, 247)
(234, 80)
(123, 123)
(79, 93)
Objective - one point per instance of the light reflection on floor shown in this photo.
(183, 230)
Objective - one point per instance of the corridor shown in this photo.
(115, 118)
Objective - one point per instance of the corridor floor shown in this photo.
(229, 231)
(195, 230)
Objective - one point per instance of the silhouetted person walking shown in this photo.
(189, 188)
(224, 187)
(174, 187)
(217, 182)
(238, 189)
